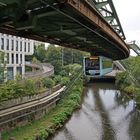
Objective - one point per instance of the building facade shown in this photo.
(15, 49)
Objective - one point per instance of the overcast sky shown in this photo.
(129, 15)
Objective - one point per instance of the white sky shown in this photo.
(129, 14)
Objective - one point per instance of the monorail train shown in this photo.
(97, 66)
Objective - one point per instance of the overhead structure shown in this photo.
(107, 9)
(69, 23)
(133, 45)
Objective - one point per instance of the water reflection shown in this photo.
(106, 114)
(134, 125)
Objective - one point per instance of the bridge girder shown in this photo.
(107, 9)
(133, 45)
(62, 22)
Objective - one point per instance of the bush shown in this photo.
(72, 68)
(64, 81)
(130, 89)
(29, 86)
(38, 84)
(48, 83)
(57, 79)
(42, 135)
(63, 73)
(122, 80)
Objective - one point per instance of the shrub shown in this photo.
(50, 130)
(18, 77)
(38, 83)
(29, 86)
(130, 89)
(63, 73)
(64, 81)
(122, 80)
(42, 135)
(72, 68)
(48, 83)
(57, 79)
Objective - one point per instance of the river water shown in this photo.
(106, 114)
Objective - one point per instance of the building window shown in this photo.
(20, 45)
(12, 47)
(19, 70)
(7, 58)
(10, 73)
(20, 58)
(7, 44)
(16, 45)
(25, 47)
(2, 43)
(28, 47)
(12, 58)
(16, 58)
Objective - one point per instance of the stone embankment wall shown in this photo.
(20, 111)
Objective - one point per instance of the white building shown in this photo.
(15, 49)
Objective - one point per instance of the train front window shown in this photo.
(92, 64)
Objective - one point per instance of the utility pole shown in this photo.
(62, 56)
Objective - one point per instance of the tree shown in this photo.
(40, 52)
(71, 56)
(35, 61)
(2, 67)
(135, 68)
(53, 56)
(64, 81)
(48, 83)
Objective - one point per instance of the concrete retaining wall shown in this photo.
(18, 101)
(32, 111)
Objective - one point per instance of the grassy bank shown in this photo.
(124, 83)
(47, 125)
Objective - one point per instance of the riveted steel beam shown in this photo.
(93, 16)
(109, 9)
(71, 23)
(101, 4)
(109, 18)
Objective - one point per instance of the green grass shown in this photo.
(48, 124)
(126, 84)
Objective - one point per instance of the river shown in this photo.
(105, 114)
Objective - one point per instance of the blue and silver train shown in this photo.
(97, 66)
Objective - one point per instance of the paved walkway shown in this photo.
(113, 73)
(44, 71)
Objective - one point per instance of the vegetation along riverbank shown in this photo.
(129, 81)
(47, 125)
